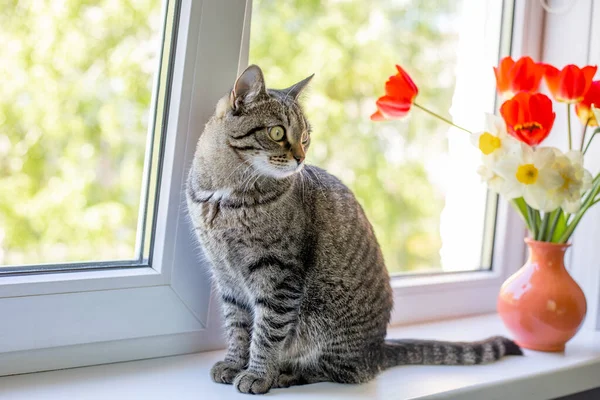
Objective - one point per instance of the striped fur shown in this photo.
(305, 292)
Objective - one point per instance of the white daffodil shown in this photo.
(530, 173)
(576, 180)
(494, 141)
(495, 182)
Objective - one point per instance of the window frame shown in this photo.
(81, 318)
(72, 319)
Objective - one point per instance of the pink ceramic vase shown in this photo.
(541, 304)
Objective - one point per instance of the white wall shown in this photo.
(573, 37)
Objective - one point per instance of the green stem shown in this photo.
(569, 125)
(541, 236)
(532, 218)
(446, 120)
(553, 224)
(521, 207)
(590, 141)
(583, 134)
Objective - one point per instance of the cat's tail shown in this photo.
(431, 352)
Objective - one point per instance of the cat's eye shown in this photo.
(305, 138)
(276, 133)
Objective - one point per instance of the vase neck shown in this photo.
(547, 255)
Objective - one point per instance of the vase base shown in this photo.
(540, 347)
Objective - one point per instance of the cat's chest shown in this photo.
(237, 234)
(217, 220)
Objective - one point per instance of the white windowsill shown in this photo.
(535, 376)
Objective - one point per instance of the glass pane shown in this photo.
(415, 178)
(80, 84)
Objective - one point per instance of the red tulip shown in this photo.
(513, 77)
(584, 109)
(570, 84)
(400, 93)
(529, 117)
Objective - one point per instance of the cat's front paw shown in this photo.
(225, 372)
(286, 380)
(250, 382)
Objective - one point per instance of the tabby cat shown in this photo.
(304, 288)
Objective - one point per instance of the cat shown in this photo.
(304, 288)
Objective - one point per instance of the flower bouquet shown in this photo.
(549, 188)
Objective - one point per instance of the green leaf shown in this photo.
(521, 207)
(541, 236)
(533, 219)
(561, 225)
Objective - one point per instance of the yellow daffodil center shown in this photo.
(489, 143)
(527, 174)
(567, 182)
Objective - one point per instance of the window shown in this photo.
(160, 307)
(81, 113)
(165, 305)
(416, 179)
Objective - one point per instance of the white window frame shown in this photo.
(61, 320)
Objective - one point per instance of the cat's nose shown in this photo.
(298, 153)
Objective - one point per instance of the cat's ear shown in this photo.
(296, 89)
(249, 86)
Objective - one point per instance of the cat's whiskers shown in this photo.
(246, 185)
(244, 179)
(253, 184)
(302, 182)
(318, 183)
(244, 162)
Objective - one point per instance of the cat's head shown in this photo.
(263, 129)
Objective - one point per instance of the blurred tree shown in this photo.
(352, 49)
(76, 81)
